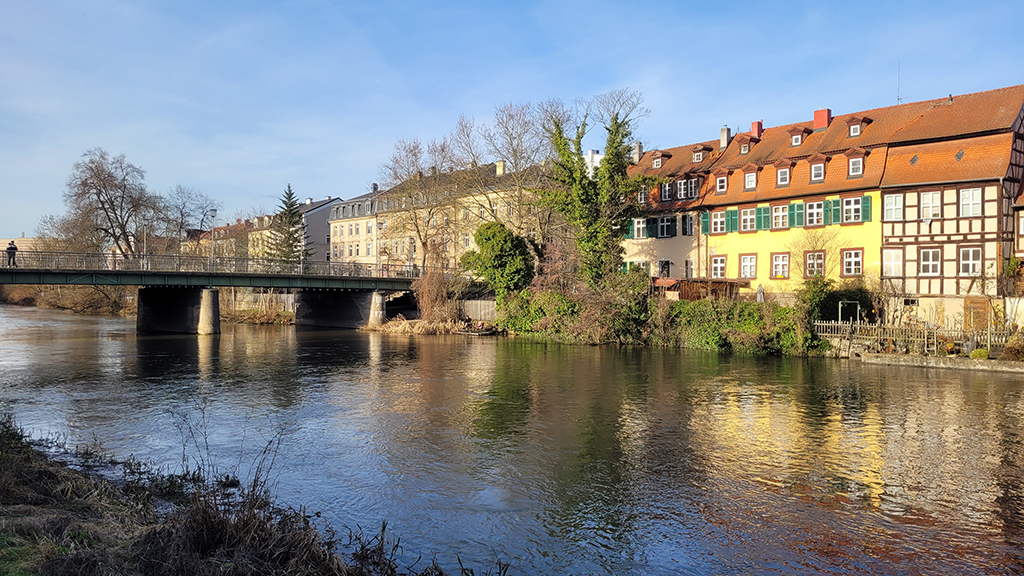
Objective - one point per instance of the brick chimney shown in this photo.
(756, 129)
(726, 138)
(822, 118)
(638, 152)
(499, 168)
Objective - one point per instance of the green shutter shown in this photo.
(625, 267)
(705, 222)
(837, 211)
(763, 218)
(865, 209)
(796, 214)
(629, 229)
(732, 220)
(672, 226)
(826, 209)
(652, 227)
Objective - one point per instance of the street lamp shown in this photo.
(213, 217)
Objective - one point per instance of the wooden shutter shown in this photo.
(629, 229)
(826, 211)
(865, 209)
(796, 214)
(837, 211)
(652, 227)
(673, 227)
(705, 222)
(732, 220)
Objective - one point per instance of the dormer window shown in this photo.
(750, 181)
(817, 172)
(856, 167)
(657, 163)
(744, 148)
(782, 177)
(722, 184)
(854, 130)
(698, 157)
(796, 139)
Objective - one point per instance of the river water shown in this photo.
(558, 459)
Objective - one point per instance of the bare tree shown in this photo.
(827, 241)
(183, 212)
(109, 195)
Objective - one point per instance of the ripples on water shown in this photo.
(561, 460)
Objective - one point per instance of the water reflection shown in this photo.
(561, 459)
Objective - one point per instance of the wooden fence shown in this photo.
(926, 339)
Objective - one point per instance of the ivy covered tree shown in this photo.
(598, 207)
(288, 233)
(503, 259)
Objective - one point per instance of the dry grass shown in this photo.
(1014, 350)
(400, 325)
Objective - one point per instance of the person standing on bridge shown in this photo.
(12, 251)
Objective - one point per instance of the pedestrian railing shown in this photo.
(92, 262)
(930, 339)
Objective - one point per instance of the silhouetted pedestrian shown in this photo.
(12, 251)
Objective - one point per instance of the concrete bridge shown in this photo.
(179, 293)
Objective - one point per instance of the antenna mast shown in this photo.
(898, 99)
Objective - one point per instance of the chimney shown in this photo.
(822, 118)
(373, 187)
(757, 128)
(638, 152)
(309, 200)
(726, 138)
(499, 168)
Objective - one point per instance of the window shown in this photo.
(970, 202)
(465, 240)
(815, 213)
(350, 250)
(929, 261)
(780, 265)
(666, 192)
(817, 172)
(748, 219)
(664, 268)
(892, 262)
(853, 262)
(782, 177)
(931, 205)
(686, 188)
(851, 209)
(357, 229)
(639, 228)
(357, 249)
(894, 207)
(335, 230)
(641, 196)
(688, 268)
(796, 140)
(687, 222)
(750, 180)
(665, 226)
(657, 162)
(970, 261)
(744, 148)
(854, 130)
(698, 157)
(717, 222)
(748, 266)
(369, 249)
(723, 183)
(814, 264)
(350, 230)
(856, 167)
(780, 216)
(718, 267)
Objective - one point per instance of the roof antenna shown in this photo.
(898, 99)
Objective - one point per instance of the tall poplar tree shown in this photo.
(288, 233)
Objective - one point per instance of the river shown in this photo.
(558, 459)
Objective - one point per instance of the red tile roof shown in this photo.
(965, 159)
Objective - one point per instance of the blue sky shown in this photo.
(239, 99)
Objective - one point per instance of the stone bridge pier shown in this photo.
(339, 309)
(182, 310)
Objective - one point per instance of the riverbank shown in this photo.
(60, 521)
(950, 362)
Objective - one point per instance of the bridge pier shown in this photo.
(182, 310)
(337, 309)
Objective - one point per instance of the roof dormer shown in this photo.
(658, 158)
(797, 134)
(855, 125)
(700, 152)
(746, 142)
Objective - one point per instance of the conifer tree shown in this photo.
(288, 233)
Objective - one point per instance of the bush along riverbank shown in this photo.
(55, 520)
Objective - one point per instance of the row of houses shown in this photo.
(919, 201)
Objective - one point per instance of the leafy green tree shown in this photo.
(503, 260)
(288, 233)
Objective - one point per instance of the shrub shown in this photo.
(1014, 350)
(979, 354)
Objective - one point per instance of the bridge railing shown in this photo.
(64, 261)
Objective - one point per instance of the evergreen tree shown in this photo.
(288, 233)
(504, 259)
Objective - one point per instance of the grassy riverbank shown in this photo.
(55, 520)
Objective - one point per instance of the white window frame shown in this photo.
(698, 157)
(748, 219)
(854, 130)
(680, 189)
(856, 166)
(932, 265)
(722, 184)
(744, 148)
(780, 216)
(970, 202)
(718, 266)
(851, 210)
(814, 264)
(639, 228)
(641, 197)
(932, 209)
(892, 262)
(853, 262)
(893, 208)
(686, 225)
(750, 181)
(817, 172)
(970, 261)
(780, 265)
(782, 177)
(748, 266)
(657, 163)
(815, 214)
(693, 188)
(796, 140)
(665, 225)
(666, 192)
(717, 222)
